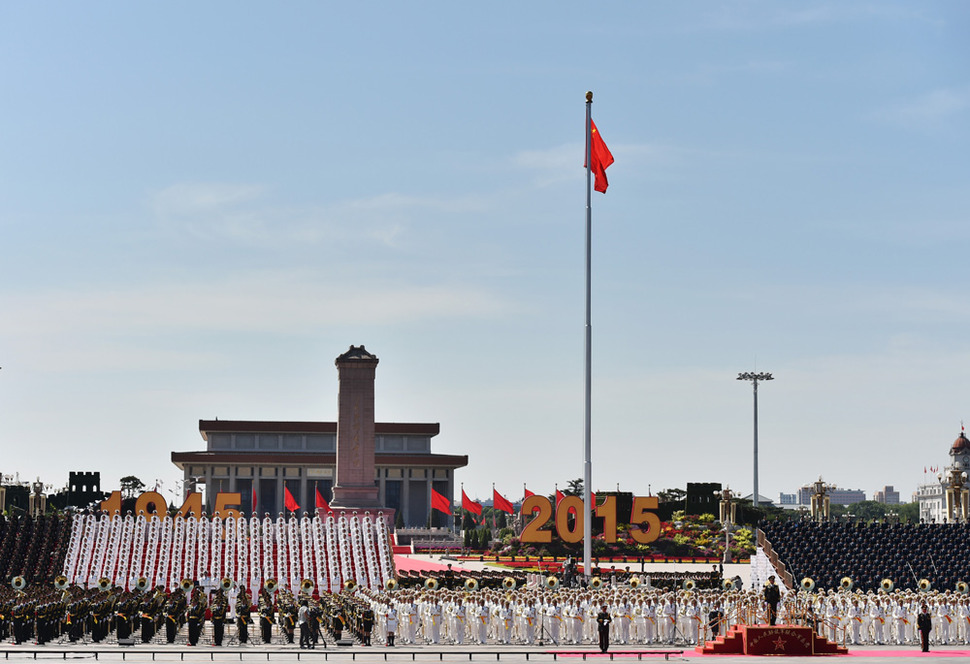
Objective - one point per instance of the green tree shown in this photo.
(574, 487)
(131, 486)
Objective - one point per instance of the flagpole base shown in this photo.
(350, 496)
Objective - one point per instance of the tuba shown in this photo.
(471, 585)
(141, 584)
(689, 584)
(887, 585)
(226, 583)
(390, 585)
(846, 583)
(431, 583)
(306, 586)
(61, 582)
(808, 584)
(104, 583)
(18, 583)
(962, 587)
(270, 585)
(349, 585)
(508, 583)
(596, 583)
(552, 582)
(925, 585)
(728, 584)
(635, 582)
(187, 585)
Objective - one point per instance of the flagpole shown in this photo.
(588, 464)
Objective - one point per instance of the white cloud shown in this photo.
(88, 324)
(931, 108)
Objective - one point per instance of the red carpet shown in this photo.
(407, 564)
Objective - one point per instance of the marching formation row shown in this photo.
(145, 552)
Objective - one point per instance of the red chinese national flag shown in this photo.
(600, 158)
(527, 492)
(559, 497)
(289, 500)
(470, 505)
(439, 502)
(321, 501)
(500, 503)
(254, 500)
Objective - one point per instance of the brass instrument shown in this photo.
(635, 582)
(595, 583)
(887, 585)
(141, 584)
(104, 583)
(270, 585)
(925, 585)
(808, 584)
(509, 583)
(552, 582)
(18, 583)
(431, 583)
(61, 582)
(846, 583)
(471, 585)
(962, 587)
(187, 585)
(390, 585)
(226, 583)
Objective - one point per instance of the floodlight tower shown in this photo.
(755, 378)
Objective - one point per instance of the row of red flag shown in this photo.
(290, 502)
(499, 502)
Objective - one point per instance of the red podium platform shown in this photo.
(785, 640)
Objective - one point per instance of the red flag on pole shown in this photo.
(439, 502)
(254, 501)
(600, 158)
(321, 501)
(500, 503)
(559, 497)
(527, 492)
(470, 505)
(289, 500)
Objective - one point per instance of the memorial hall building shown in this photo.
(258, 459)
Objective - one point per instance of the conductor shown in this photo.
(603, 620)
(772, 597)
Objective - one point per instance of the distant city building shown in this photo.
(836, 495)
(887, 496)
(931, 495)
(787, 499)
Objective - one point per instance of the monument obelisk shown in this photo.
(354, 485)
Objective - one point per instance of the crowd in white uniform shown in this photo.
(881, 618)
(651, 616)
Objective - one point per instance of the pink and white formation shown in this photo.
(164, 551)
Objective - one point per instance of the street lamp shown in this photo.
(755, 378)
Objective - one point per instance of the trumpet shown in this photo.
(141, 584)
(509, 583)
(187, 585)
(306, 586)
(60, 582)
(925, 585)
(595, 582)
(552, 582)
(431, 583)
(18, 583)
(390, 585)
(471, 584)
(270, 585)
(846, 583)
(808, 584)
(226, 583)
(887, 585)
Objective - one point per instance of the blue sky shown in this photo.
(202, 205)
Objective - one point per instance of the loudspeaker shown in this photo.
(127, 642)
